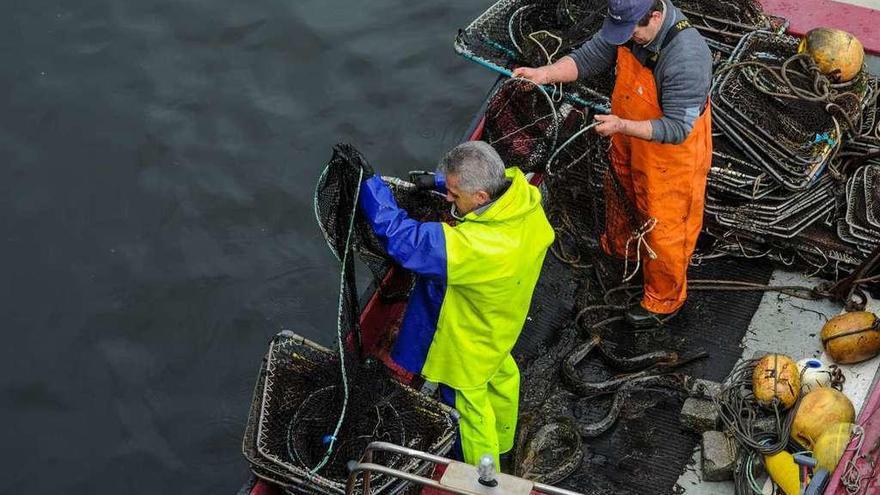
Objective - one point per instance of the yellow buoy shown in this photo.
(852, 337)
(837, 54)
(830, 446)
(784, 472)
(819, 410)
(776, 377)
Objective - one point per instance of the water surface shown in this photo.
(157, 165)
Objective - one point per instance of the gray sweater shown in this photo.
(683, 74)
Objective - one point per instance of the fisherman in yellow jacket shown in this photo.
(474, 289)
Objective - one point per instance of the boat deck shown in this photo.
(791, 326)
(859, 17)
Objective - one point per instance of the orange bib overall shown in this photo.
(666, 182)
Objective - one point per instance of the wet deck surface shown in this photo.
(647, 450)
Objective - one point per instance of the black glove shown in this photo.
(423, 180)
(365, 166)
(344, 153)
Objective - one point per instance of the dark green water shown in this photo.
(157, 163)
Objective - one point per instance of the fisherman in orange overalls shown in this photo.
(661, 141)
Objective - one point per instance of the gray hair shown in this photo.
(478, 167)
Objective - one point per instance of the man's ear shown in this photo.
(482, 197)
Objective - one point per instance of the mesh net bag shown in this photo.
(589, 199)
(336, 211)
(522, 124)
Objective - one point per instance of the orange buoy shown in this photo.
(776, 377)
(838, 54)
(852, 337)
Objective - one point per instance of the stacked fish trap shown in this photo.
(782, 127)
(860, 225)
(784, 136)
(867, 139)
(759, 105)
(723, 24)
(297, 402)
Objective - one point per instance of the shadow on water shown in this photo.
(158, 160)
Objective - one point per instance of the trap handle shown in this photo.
(577, 100)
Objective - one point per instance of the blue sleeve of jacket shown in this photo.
(418, 246)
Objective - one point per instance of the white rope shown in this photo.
(639, 238)
(851, 478)
(510, 25)
(557, 88)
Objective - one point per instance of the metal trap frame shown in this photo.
(790, 139)
(861, 196)
(723, 24)
(872, 195)
(816, 249)
(733, 173)
(288, 377)
(867, 139)
(491, 41)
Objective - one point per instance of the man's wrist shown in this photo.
(641, 129)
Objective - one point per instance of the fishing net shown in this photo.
(574, 202)
(297, 401)
(515, 33)
(335, 208)
(522, 124)
(723, 24)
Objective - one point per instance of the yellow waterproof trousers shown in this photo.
(488, 414)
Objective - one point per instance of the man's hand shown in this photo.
(541, 75)
(609, 124)
(361, 163)
(424, 181)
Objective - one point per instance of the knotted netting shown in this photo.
(522, 124)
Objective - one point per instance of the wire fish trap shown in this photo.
(861, 224)
(733, 173)
(723, 24)
(337, 187)
(297, 401)
(513, 33)
(762, 102)
(817, 249)
(785, 217)
(867, 137)
(522, 124)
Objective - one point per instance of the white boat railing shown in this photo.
(367, 468)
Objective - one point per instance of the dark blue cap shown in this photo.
(621, 20)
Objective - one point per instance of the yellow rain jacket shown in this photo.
(476, 284)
